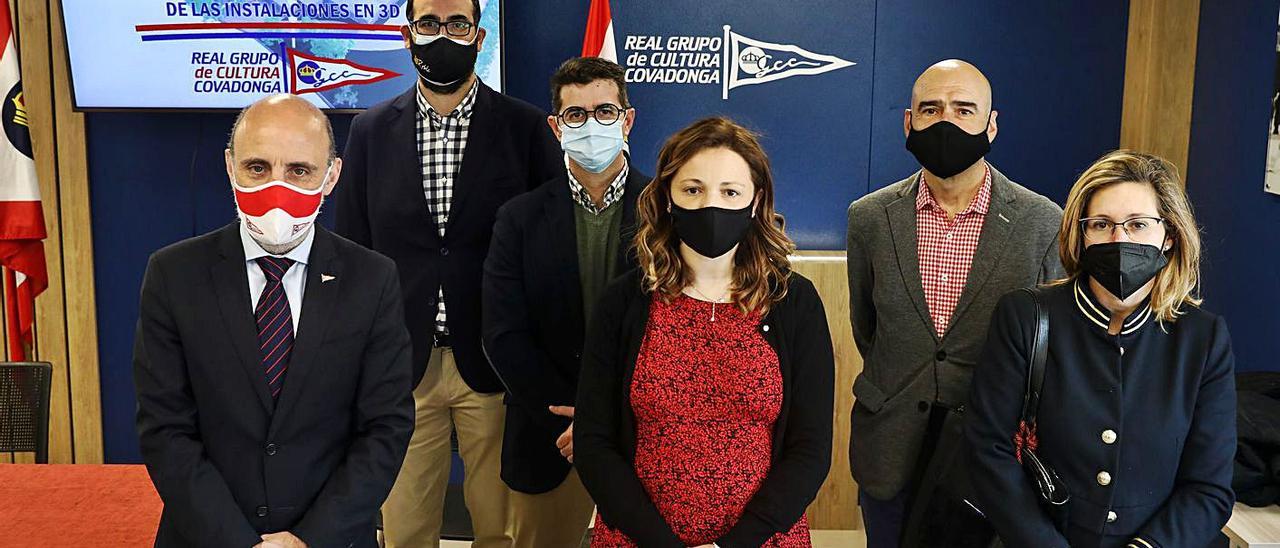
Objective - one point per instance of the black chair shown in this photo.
(24, 408)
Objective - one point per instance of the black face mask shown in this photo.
(443, 65)
(711, 231)
(945, 150)
(1122, 267)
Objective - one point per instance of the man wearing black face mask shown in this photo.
(426, 173)
(929, 256)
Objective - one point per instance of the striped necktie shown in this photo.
(275, 323)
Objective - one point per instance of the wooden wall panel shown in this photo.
(1159, 78)
(77, 244)
(837, 503)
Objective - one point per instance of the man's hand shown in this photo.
(283, 539)
(565, 441)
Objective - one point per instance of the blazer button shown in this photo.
(1108, 436)
(923, 406)
(941, 355)
(271, 449)
(262, 511)
(1104, 479)
(444, 251)
(1111, 517)
(766, 328)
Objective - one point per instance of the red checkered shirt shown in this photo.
(946, 249)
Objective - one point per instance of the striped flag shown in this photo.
(598, 41)
(21, 218)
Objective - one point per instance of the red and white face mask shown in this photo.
(278, 213)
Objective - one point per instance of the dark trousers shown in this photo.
(883, 519)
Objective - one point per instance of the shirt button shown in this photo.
(262, 511)
(1108, 436)
(1111, 517)
(944, 277)
(272, 449)
(1104, 479)
(948, 236)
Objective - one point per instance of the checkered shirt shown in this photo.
(946, 249)
(611, 195)
(441, 143)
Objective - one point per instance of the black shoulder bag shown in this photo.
(1053, 494)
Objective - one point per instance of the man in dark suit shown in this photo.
(929, 256)
(553, 251)
(271, 362)
(426, 173)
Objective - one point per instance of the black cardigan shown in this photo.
(605, 431)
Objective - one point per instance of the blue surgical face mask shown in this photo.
(594, 145)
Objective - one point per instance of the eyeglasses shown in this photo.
(606, 114)
(431, 27)
(1101, 227)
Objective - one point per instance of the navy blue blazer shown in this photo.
(381, 204)
(1140, 425)
(534, 324)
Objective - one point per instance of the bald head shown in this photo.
(285, 112)
(951, 91)
(283, 138)
(952, 77)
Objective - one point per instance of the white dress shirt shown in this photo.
(295, 280)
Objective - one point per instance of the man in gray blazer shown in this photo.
(929, 256)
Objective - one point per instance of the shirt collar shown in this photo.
(253, 251)
(981, 203)
(1095, 313)
(611, 195)
(463, 110)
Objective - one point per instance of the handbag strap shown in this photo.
(1039, 354)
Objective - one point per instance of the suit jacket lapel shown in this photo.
(480, 134)
(564, 233)
(406, 157)
(634, 186)
(324, 283)
(231, 283)
(996, 229)
(902, 223)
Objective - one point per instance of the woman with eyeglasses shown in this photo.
(1137, 413)
(704, 404)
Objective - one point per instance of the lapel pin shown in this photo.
(1003, 218)
(326, 278)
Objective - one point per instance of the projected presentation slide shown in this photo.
(216, 54)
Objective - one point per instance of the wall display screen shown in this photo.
(224, 54)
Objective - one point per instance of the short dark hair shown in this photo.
(580, 71)
(475, 10)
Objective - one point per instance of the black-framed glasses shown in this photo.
(431, 27)
(1098, 228)
(606, 114)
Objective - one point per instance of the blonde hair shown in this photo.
(761, 269)
(1177, 285)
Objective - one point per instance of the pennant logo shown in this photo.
(311, 74)
(753, 62)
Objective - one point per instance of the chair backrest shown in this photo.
(24, 408)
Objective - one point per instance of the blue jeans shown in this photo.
(884, 519)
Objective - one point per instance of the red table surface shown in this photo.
(77, 505)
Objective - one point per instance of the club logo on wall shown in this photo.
(731, 60)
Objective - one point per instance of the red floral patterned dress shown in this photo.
(705, 396)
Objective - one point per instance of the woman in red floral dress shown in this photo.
(704, 405)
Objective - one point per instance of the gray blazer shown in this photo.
(906, 366)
